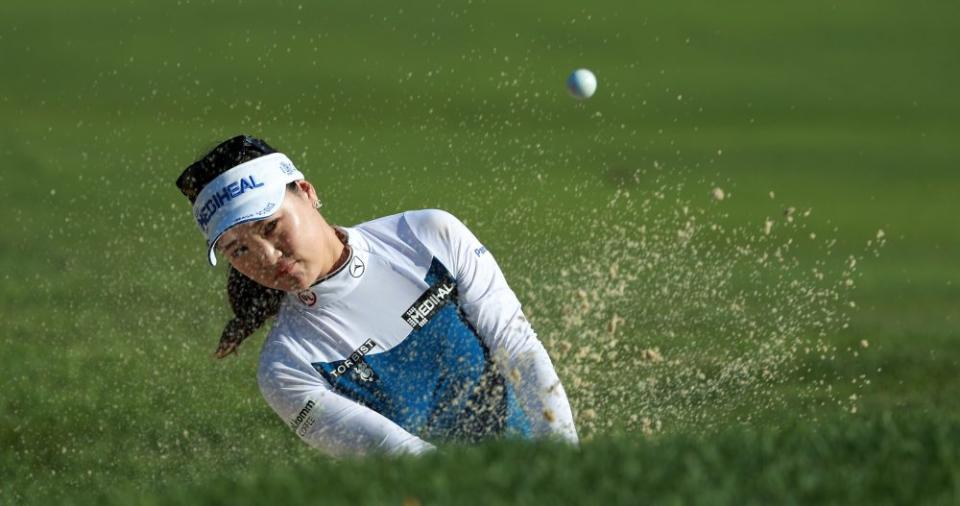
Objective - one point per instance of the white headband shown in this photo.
(250, 191)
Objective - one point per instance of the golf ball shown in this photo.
(582, 83)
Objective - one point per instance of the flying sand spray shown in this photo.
(679, 319)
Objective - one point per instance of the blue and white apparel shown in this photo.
(418, 338)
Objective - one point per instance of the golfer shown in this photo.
(388, 336)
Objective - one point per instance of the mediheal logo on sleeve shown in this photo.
(420, 313)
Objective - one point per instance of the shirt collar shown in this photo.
(341, 282)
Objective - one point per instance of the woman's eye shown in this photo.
(270, 227)
(238, 251)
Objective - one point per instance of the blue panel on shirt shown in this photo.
(438, 383)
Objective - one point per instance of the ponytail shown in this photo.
(253, 304)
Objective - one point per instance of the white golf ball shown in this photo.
(582, 84)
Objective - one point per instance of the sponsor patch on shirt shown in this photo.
(355, 362)
(434, 298)
(307, 297)
(303, 421)
(357, 267)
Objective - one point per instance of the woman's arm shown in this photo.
(494, 310)
(328, 421)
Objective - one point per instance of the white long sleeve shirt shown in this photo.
(418, 339)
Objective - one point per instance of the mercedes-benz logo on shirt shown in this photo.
(357, 267)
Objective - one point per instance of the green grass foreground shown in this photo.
(883, 459)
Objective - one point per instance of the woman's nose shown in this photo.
(268, 253)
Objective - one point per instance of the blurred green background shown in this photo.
(109, 313)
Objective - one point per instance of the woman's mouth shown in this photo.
(283, 270)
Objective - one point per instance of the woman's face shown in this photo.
(287, 251)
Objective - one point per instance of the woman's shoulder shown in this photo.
(424, 224)
(417, 218)
(431, 219)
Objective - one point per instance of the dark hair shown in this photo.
(252, 303)
(225, 156)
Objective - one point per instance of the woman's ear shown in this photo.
(308, 190)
